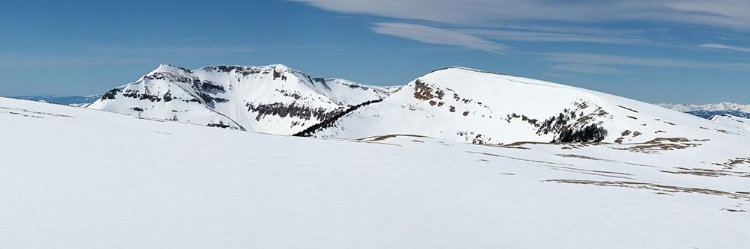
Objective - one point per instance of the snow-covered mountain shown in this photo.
(468, 105)
(270, 99)
(80, 178)
(710, 110)
(725, 106)
(457, 104)
(77, 101)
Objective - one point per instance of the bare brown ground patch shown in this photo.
(707, 172)
(627, 109)
(662, 144)
(732, 163)
(563, 167)
(384, 137)
(657, 187)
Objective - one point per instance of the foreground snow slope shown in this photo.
(80, 178)
(468, 105)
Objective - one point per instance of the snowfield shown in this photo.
(82, 178)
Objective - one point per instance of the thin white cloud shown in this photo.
(726, 47)
(559, 36)
(600, 59)
(718, 13)
(17, 61)
(581, 68)
(557, 75)
(109, 55)
(440, 36)
(174, 50)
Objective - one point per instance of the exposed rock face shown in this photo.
(271, 99)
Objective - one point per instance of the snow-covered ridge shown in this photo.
(474, 106)
(270, 99)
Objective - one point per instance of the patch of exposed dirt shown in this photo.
(422, 91)
(734, 210)
(31, 114)
(732, 163)
(707, 172)
(385, 137)
(727, 132)
(599, 159)
(475, 138)
(657, 187)
(627, 109)
(662, 144)
(564, 167)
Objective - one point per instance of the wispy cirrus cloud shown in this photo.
(36, 61)
(113, 55)
(725, 47)
(172, 50)
(484, 39)
(718, 13)
(553, 20)
(540, 36)
(440, 36)
(582, 68)
(557, 75)
(602, 59)
(488, 24)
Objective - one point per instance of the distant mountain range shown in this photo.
(455, 103)
(77, 101)
(704, 111)
(710, 110)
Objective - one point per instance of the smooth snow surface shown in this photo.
(732, 121)
(81, 178)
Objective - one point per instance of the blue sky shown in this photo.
(683, 51)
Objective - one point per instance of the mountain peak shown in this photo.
(463, 69)
(281, 67)
(164, 67)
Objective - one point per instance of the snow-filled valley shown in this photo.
(82, 178)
